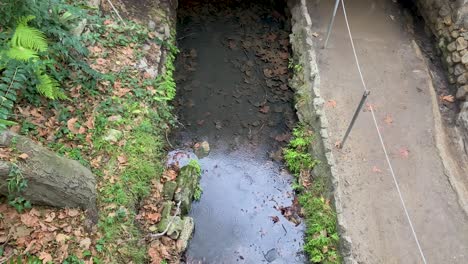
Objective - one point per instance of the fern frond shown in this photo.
(20, 53)
(28, 37)
(25, 19)
(49, 87)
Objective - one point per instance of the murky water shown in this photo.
(232, 78)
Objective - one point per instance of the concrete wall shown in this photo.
(448, 21)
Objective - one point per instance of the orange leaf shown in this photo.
(388, 119)
(45, 257)
(23, 156)
(448, 98)
(331, 103)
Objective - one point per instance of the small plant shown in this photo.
(321, 241)
(294, 66)
(198, 189)
(166, 84)
(296, 154)
(198, 193)
(16, 184)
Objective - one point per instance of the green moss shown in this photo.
(321, 241)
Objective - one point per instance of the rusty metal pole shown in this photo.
(356, 114)
(332, 20)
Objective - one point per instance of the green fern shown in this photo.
(25, 45)
(28, 37)
(22, 54)
(49, 87)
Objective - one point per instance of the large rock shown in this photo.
(462, 92)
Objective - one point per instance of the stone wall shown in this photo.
(448, 21)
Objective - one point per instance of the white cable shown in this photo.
(382, 142)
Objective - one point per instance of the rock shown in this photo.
(94, 3)
(464, 59)
(79, 27)
(151, 25)
(169, 189)
(202, 149)
(459, 69)
(462, 78)
(452, 80)
(454, 34)
(114, 118)
(142, 64)
(449, 61)
(461, 43)
(180, 158)
(187, 227)
(447, 20)
(456, 57)
(462, 92)
(271, 255)
(187, 181)
(452, 46)
(113, 135)
(444, 11)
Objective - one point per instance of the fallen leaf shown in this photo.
(45, 257)
(122, 160)
(264, 109)
(331, 103)
(29, 220)
(404, 152)
(50, 217)
(388, 119)
(275, 219)
(90, 122)
(448, 98)
(61, 238)
(282, 137)
(85, 243)
(23, 156)
(153, 217)
(71, 125)
(73, 212)
(376, 169)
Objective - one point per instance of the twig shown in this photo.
(167, 139)
(158, 235)
(116, 12)
(188, 35)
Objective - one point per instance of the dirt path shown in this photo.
(402, 97)
(232, 77)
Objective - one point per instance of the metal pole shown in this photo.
(358, 110)
(331, 23)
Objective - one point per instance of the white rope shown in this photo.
(382, 141)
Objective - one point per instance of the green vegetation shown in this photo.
(39, 57)
(198, 189)
(16, 183)
(43, 55)
(321, 242)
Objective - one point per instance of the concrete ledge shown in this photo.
(309, 107)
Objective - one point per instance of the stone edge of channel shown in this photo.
(309, 106)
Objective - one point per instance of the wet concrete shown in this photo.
(232, 78)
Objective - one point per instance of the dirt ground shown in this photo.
(407, 109)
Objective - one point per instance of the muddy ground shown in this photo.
(232, 78)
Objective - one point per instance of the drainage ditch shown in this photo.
(232, 78)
